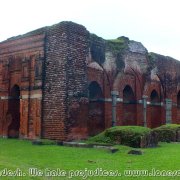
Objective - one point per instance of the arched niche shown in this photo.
(95, 90)
(14, 112)
(129, 107)
(96, 123)
(178, 100)
(155, 109)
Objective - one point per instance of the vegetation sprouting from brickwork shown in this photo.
(97, 48)
(151, 59)
(118, 47)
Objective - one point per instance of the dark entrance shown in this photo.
(178, 100)
(155, 109)
(14, 112)
(129, 107)
(96, 109)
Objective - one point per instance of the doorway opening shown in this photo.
(14, 112)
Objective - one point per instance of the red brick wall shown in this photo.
(53, 68)
(139, 115)
(18, 59)
(96, 123)
(65, 81)
(129, 114)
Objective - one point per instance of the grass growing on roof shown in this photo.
(118, 45)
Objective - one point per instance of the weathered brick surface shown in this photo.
(65, 83)
(20, 57)
(54, 68)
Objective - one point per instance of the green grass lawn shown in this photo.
(23, 155)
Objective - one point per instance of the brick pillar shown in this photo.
(114, 104)
(168, 111)
(144, 103)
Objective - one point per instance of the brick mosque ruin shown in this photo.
(62, 82)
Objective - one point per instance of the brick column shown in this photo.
(114, 104)
(168, 111)
(144, 102)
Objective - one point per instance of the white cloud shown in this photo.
(153, 22)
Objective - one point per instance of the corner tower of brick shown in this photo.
(65, 78)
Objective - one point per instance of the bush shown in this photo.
(168, 133)
(134, 136)
(100, 139)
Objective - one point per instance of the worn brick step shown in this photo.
(77, 144)
(84, 145)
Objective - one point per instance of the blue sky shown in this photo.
(155, 23)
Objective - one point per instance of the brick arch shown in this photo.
(177, 93)
(154, 109)
(121, 81)
(96, 81)
(129, 107)
(15, 91)
(15, 84)
(128, 94)
(97, 75)
(96, 122)
(154, 97)
(14, 112)
(149, 87)
(95, 90)
(178, 99)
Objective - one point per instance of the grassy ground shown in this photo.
(21, 154)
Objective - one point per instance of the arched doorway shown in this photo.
(96, 122)
(129, 107)
(178, 100)
(14, 112)
(155, 109)
(95, 90)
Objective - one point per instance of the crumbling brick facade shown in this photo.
(56, 83)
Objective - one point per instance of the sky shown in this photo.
(154, 23)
